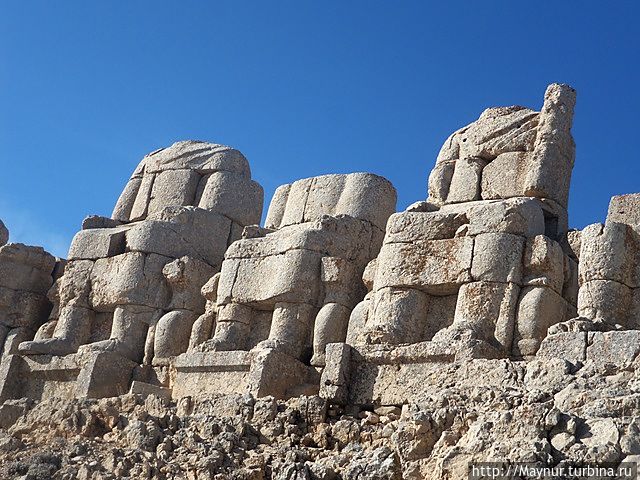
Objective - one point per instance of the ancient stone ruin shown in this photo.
(182, 294)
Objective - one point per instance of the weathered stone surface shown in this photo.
(505, 175)
(497, 257)
(538, 309)
(97, 243)
(131, 278)
(438, 266)
(466, 179)
(4, 234)
(238, 198)
(544, 263)
(624, 209)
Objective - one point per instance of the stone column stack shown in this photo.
(167, 236)
(26, 275)
(481, 263)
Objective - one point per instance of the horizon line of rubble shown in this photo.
(182, 293)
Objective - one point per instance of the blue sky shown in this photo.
(301, 88)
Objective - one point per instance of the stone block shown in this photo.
(202, 157)
(571, 346)
(23, 309)
(438, 267)
(538, 309)
(519, 216)
(277, 207)
(4, 234)
(75, 284)
(504, 176)
(124, 205)
(97, 243)
(172, 333)
(608, 301)
(140, 206)
(26, 268)
(619, 348)
(334, 383)
(104, 374)
(182, 231)
(440, 181)
(293, 276)
(624, 209)
(489, 310)
(607, 252)
(466, 179)
(399, 316)
(238, 198)
(412, 226)
(131, 278)
(360, 195)
(544, 263)
(173, 187)
(497, 257)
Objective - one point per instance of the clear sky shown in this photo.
(302, 88)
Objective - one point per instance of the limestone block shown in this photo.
(140, 205)
(342, 281)
(330, 327)
(334, 383)
(465, 182)
(19, 308)
(608, 253)
(4, 234)
(440, 181)
(186, 277)
(438, 267)
(97, 221)
(291, 327)
(236, 197)
(554, 149)
(26, 268)
(232, 326)
(360, 195)
(182, 231)
(489, 310)
(172, 333)
(358, 320)
(399, 316)
(571, 243)
(173, 187)
(519, 216)
(617, 348)
(624, 209)
(124, 205)
(293, 276)
(369, 274)
(538, 309)
(544, 263)
(571, 346)
(277, 207)
(97, 243)
(131, 278)
(440, 314)
(203, 157)
(75, 284)
(411, 226)
(497, 257)
(498, 130)
(504, 176)
(608, 301)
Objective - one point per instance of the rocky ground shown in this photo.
(545, 411)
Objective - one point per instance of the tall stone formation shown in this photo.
(131, 288)
(479, 269)
(286, 290)
(26, 275)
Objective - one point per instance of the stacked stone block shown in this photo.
(132, 284)
(481, 261)
(292, 285)
(26, 275)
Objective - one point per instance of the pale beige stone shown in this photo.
(497, 257)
